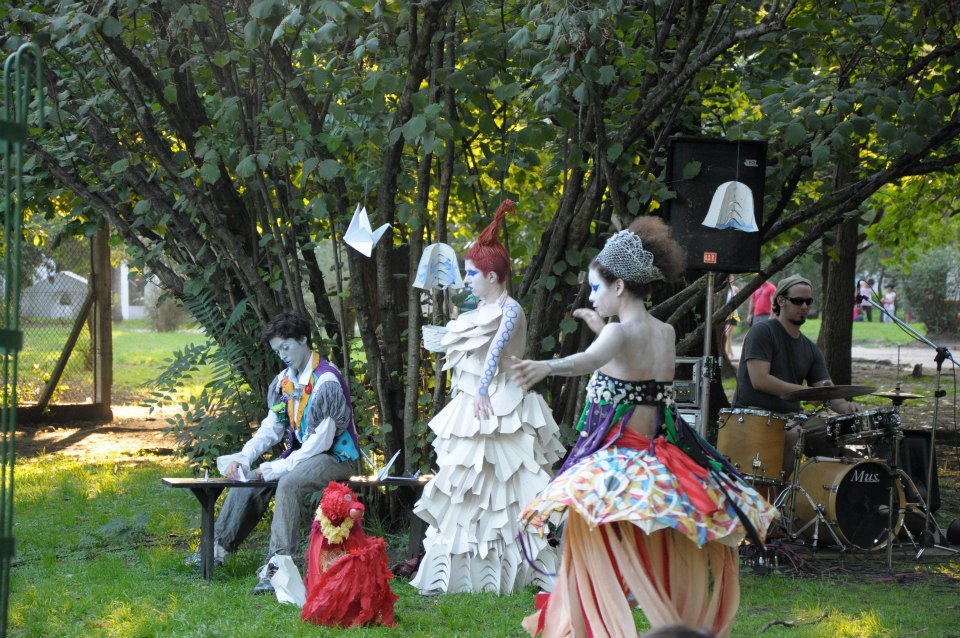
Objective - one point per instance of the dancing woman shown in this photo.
(648, 523)
(495, 444)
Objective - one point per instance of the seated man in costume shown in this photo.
(777, 359)
(309, 406)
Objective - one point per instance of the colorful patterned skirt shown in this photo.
(645, 526)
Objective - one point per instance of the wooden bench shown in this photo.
(207, 491)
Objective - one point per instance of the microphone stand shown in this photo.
(927, 539)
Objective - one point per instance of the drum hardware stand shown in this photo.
(891, 536)
(789, 495)
(927, 538)
(787, 500)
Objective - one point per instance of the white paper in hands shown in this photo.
(359, 235)
(246, 475)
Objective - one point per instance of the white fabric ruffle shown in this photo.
(488, 470)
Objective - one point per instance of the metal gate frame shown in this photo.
(17, 79)
(98, 303)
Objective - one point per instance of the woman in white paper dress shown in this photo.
(495, 445)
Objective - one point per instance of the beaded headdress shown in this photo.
(624, 256)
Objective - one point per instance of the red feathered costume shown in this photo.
(348, 581)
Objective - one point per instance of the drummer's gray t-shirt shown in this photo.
(793, 360)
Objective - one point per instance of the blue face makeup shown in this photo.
(471, 273)
(594, 287)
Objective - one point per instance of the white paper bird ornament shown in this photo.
(359, 235)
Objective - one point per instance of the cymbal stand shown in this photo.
(927, 539)
(786, 502)
(897, 436)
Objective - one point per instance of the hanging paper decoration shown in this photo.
(359, 235)
(438, 269)
(732, 207)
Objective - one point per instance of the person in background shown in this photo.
(889, 303)
(761, 303)
(777, 358)
(866, 292)
(731, 323)
(309, 407)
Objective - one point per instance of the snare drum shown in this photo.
(753, 440)
(827, 435)
(873, 424)
(854, 497)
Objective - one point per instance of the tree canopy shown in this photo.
(227, 144)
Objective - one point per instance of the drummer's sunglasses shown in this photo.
(799, 301)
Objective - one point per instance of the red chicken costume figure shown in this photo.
(348, 581)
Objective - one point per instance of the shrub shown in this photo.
(932, 289)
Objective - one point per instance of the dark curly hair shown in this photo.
(286, 325)
(668, 255)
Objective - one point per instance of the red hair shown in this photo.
(488, 254)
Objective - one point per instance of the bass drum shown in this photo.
(854, 496)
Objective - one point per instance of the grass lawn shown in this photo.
(140, 354)
(100, 549)
(865, 333)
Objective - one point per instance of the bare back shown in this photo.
(648, 352)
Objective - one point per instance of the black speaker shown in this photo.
(702, 169)
(914, 460)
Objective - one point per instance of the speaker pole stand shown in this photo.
(707, 368)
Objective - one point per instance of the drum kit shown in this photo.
(838, 492)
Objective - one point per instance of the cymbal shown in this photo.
(899, 395)
(827, 393)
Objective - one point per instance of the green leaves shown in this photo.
(247, 167)
(794, 134)
(328, 169)
(209, 172)
(691, 169)
(414, 127)
(111, 27)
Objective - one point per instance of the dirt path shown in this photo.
(134, 432)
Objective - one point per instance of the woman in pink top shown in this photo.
(761, 302)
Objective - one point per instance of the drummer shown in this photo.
(777, 359)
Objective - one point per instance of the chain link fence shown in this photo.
(54, 300)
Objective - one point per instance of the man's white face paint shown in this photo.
(293, 352)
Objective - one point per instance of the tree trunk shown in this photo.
(836, 327)
(839, 288)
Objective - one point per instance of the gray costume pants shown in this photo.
(243, 508)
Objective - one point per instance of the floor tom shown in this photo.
(753, 440)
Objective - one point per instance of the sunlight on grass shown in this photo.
(865, 624)
(140, 355)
